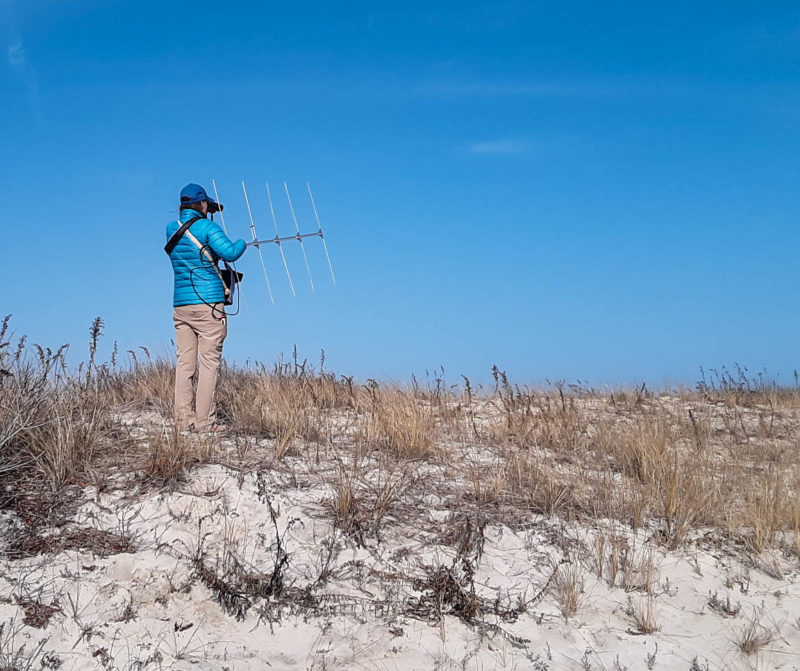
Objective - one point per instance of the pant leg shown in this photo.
(186, 344)
(211, 333)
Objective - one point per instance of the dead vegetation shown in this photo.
(38, 614)
(642, 614)
(101, 543)
(723, 457)
(568, 587)
(718, 464)
(754, 635)
(235, 582)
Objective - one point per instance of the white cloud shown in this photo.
(16, 53)
(499, 147)
(18, 61)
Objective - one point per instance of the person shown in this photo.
(198, 305)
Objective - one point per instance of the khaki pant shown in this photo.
(199, 333)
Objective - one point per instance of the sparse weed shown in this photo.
(725, 608)
(568, 587)
(347, 509)
(697, 665)
(642, 614)
(170, 453)
(13, 653)
(677, 467)
(626, 455)
(754, 636)
(398, 424)
(638, 569)
(236, 583)
(651, 657)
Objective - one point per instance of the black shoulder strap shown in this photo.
(177, 235)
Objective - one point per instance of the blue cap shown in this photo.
(194, 193)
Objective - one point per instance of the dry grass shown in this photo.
(348, 510)
(723, 458)
(568, 587)
(63, 445)
(638, 569)
(754, 635)
(640, 473)
(398, 423)
(642, 614)
(146, 383)
(686, 462)
(51, 420)
(531, 482)
(170, 454)
(277, 406)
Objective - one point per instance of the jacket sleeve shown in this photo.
(222, 246)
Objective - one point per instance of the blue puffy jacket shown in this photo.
(195, 279)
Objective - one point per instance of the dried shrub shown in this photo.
(347, 508)
(38, 614)
(98, 541)
(170, 453)
(530, 481)
(754, 635)
(568, 587)
(642, 614)
(50, 420)
(236, 584)
(398, 424)
(281, 407)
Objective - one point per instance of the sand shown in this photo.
(433, 586)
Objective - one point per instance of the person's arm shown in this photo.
(222, 246)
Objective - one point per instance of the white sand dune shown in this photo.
(369, 603)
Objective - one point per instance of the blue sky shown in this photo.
(595, 191)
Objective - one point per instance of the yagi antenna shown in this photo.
(255, 241)
(319, 226)
(275, 222)
(299, 237)
(216, 197)
(278, 239)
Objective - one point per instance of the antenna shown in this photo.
(277, 239)
(319, 226)
(256, 243)
(221, 216)
(299, 238)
